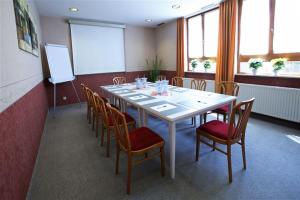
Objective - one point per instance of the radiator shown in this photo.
(279, 102)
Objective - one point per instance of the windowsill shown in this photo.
(199, 72)
(269, 75)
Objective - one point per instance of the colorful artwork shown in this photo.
(27, 36)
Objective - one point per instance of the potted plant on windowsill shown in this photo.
(207, 65)
(278, 64)
(194, 64)
(255, 64)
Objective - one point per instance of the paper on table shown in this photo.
(121, 91)
(163, 107)
(138, 97)
(179, 89)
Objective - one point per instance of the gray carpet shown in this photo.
(72, 165)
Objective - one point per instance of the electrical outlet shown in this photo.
(64, 98)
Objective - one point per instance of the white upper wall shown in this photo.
(166, 45)
(20, 71)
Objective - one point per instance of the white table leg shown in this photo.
(140, 124)
(172, 138)
(201, 119)
(229, 110)
(145, 118)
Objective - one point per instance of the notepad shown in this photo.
(138, 97)
(163, 107)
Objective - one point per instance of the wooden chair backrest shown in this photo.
(119, 80)
(89, 95)
(177, 81)
(198, 84)
(84, 91)
(161, 77)
(101, 108)
(229, 88)
(239, 119)
(121, 130)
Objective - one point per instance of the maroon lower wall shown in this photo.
(22, 125)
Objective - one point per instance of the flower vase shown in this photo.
(205, 69)
(275, 72)
(254, 71)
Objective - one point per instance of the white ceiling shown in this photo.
(132, 12)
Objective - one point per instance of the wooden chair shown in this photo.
(227, 134)
(161, 77)
(119, 80)
(177, 81)
(84, 88)
(138, 142)
(198, 84)
(90, 103)
(229, 88)
(107, 122)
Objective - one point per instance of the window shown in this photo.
(203, 39)
(268, 30)
(255, 27)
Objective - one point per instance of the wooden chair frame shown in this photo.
(236, 133)
(161, 77)
(229, 88)
(84, 88)
(177, 81)
(123, 144)
(119, 80)
(90, 103)
(198, 84)
(105, 115)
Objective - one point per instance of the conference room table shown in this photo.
(178, 104)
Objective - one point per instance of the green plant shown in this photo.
(207, 64)
(278, 63)
(255, 63)
(194, 63)
(155, 66)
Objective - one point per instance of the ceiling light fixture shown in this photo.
(73, 9)
(176, 6)
(148, 20)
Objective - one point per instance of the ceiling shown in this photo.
(132, 12)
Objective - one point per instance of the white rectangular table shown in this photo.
(179, 104)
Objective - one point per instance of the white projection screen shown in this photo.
(97, 49)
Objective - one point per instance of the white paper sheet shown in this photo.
(163, 107)
(179, 89)
(138, 97)
(121, 91)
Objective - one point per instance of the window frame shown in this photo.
(203, 35)
(295, 56)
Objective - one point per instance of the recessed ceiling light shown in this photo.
(148, 20)
(73, 9)
(176, 6)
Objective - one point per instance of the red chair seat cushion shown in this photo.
(215, 128)
(222, 109)
(142, 138)
(128, 119)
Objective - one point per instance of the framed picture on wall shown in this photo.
(26, 31)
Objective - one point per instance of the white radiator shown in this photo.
(279, 102)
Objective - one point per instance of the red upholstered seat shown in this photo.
(128, 119)
(142, 138)
(223, 109)
(215, 128)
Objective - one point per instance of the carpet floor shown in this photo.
(71, 164)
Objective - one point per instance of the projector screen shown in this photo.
(97, 49)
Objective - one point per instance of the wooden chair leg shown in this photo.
(117, 159)
(87, 112)
(217, 116)
(108, 142)
(93, 124)
(162, 162)
(197, 146)
(224, 117)
(244, 152)
(146, 155)
(129, 174)
(204, 117)
(102, 134)
(97, 125)
(214, 145)
(229, 162)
